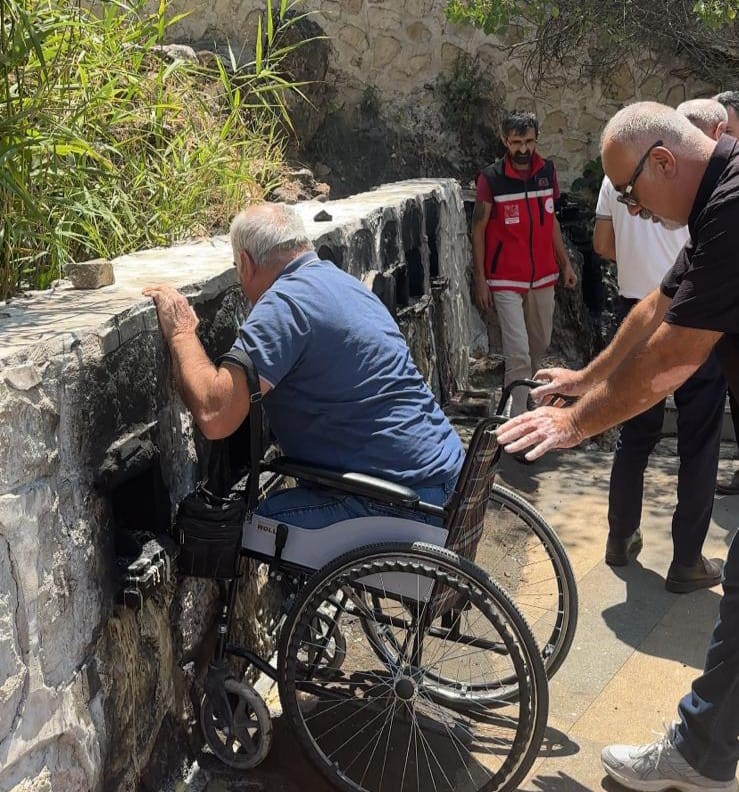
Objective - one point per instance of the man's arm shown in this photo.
(604, 238)
(639, 325)
(654, 370)
(569, 279)
(218, 398)
(480, 218)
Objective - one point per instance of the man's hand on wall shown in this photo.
(175, 313)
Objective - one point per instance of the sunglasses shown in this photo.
(624, 196)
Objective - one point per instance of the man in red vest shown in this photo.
(517, 248)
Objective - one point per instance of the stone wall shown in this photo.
(398, 50)
(94, 695)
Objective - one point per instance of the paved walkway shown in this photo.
(637, 646)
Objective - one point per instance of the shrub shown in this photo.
(108, 146)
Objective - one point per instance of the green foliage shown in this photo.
(464, 91)
(108, 146)
(716, 13)
(492, 15)
(488, 15)
(599, 34)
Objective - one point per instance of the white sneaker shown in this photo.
(656, 767)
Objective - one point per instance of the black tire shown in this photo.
(495, 740)
(550, 605)
(248, 744)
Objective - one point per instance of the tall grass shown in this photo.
(106, 146)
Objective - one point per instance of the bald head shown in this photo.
(708, 115)
(272, 234)
(638, 125)
(656, 158)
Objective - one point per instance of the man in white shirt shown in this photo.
(643, 253)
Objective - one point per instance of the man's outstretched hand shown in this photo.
(541, 430)
(174, 311)
(559, 382)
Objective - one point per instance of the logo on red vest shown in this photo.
(511, 214)
(549, 204)
(543, 182)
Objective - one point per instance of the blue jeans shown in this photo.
(708, 734)
(317, 507)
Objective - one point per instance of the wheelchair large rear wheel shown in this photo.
(522, 553)
(379, 727)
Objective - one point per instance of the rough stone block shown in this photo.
(91, 274)
(130, 325)
(383, 285)
(417, 31)
(109, 338)
(27, 437)
(22, 377)
(13, 672)
(384, 51)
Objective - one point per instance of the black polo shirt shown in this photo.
(704, 281)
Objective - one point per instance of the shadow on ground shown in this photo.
(559, 782)
(646, 595)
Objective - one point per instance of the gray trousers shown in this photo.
(526, 330)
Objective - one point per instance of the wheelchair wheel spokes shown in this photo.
(520, 551)
(457, 676)
(384, 722)
(324, 653)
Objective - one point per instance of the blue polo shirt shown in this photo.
(345, 392)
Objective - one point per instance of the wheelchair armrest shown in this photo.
(354, 483)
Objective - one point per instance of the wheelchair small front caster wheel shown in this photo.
(245, 742)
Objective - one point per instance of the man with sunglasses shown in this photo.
(643, 253)
(665, 168)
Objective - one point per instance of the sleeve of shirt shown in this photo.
(674, 276)
(704, 280)
(274, 335)
(603, 207)
(483, 192)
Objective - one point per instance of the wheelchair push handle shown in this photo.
(506, 398)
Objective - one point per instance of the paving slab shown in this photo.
(638, 647)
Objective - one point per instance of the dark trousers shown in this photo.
(700, 406)
(708, 735)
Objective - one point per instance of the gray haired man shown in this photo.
(665, 168)
(339, 384)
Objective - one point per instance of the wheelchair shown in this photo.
(401, 664)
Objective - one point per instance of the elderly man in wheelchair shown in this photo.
(401, 664)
